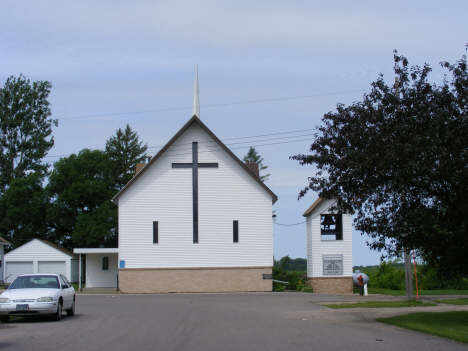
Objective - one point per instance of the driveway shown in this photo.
(231, 321)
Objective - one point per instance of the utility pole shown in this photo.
(406, 254)
(408, 277)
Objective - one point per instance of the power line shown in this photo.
(239, 147)
(289, 225)
(249, 137)
(242, 142)
(238, 138)
(215, 146)
(308, 219)
(204, 106)
(216, 105)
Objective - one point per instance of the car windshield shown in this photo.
(35, 282)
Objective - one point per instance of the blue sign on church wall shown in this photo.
(122, 264)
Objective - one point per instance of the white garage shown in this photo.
(40, 256)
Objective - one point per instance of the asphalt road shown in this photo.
(234, 321)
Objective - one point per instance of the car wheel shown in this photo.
(4, 319)
(58, 315)
(71, 311)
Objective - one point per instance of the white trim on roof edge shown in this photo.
(96, 250)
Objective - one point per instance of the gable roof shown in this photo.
(314, 205)
(48, 243)
(318, 202)
(194, 120)
(3, 241)
(57, 247)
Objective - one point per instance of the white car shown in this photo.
(35, 294)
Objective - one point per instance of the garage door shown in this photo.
(14, 269)
(58, 267)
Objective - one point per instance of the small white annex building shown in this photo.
(101, 269)
(40, 256)
(329, 248)
(195, 219)
(3, 243)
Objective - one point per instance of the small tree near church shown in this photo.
(253, 157)
(125, 150)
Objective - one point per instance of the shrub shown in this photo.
(293, 278)
(433, 278)
(301, 286)
(279, 286)
(387, 277)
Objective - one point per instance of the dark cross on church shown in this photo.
(194, 166)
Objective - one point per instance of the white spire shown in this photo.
(196, 100)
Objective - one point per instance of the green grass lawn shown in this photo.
(461, 301)
(451, 325)
(76, 286)
(380, 304)
(421, 292)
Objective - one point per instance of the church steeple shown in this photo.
(196, 100)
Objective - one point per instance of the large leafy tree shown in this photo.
(399, 159)
(82, 187)
(25, 128)
(253, 157)
(125, 151)
(25, 138)
(22, 210)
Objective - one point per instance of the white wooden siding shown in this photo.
(58, 267)
(309, 246)
(37, 251)
(164, 194)
(95, 276)
(14, 269)
(316, 248)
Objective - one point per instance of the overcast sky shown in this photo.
(265, 67)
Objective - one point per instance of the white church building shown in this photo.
(195, 219)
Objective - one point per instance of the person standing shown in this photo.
(361, 285)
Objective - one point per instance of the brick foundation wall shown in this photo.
(193, 280)
(331, 285)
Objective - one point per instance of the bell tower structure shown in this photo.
(329, 248)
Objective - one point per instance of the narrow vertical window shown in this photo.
(105, 263)
(235, 231)
(155, 232)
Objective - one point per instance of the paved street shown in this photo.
(232, 321)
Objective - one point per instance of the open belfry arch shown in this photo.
(329, 248)
(195, 218)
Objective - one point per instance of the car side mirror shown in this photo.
(5, 287)
(65, 286)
